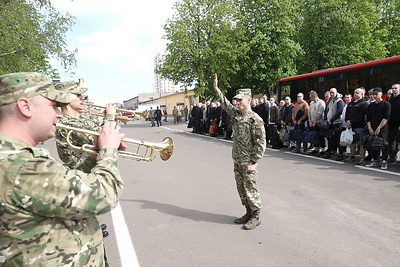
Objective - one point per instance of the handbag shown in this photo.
(373, 142)
(296, 134)
(346, 137)
(311, 137)
(322, 125)
(284, 134)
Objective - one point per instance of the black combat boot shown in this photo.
(245, 217)
(254, 221)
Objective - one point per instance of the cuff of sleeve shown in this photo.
(109, 117)
(108, 153)
(253, 162)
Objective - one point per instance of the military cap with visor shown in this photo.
(240, 93)
(14, 86)
(72, 87)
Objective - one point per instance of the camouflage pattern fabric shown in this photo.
(73, 158)
(246, 184)
(72, 87)
(249, 142)
(29, 84)
(248, 133)
(47, 211)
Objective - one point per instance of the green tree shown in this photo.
(202, 40)
(334, 33)
(271, 49)
(390, 22)
(31, 33)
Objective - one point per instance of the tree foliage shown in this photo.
(254, 43)
(31, 33)
(339, 32)
(201, 40)
(269, 27)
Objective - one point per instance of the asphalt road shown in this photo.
(316, 212)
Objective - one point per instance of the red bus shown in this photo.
(378, 73)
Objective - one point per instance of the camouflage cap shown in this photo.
(72, 87)
(240, 93)
(14, 86)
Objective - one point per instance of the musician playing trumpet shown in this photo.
(74, 115)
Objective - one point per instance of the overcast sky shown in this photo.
(117, 41)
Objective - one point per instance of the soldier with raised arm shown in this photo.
(48, 211)
(248, 148)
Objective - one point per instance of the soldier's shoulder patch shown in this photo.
(38, 152)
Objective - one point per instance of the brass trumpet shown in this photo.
(165, 148)
(138, 113)
(123, 119)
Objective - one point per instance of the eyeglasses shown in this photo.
(286, 98)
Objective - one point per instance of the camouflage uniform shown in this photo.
(248, 147)
(47, 211)
(73, 158)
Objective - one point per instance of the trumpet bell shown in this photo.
(166, 152)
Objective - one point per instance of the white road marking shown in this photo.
(125, 247)
(314, 157)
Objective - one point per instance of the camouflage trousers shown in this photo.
(246, 184)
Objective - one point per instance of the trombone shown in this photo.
(165, 148)
(138, 113)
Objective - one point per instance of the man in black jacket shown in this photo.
(355, 119)
(394, 123)
(378, 114)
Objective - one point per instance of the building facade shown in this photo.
(162, 85)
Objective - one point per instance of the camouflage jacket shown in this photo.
(47, 211)
(73, 158)
(248, 133)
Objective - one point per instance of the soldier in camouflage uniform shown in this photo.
(248, 147)
(74, 116)
(48, 211)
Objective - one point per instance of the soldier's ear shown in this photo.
(25, 107)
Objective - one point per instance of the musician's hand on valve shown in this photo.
(110, 109)
(110, 136)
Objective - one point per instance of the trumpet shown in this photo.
(165, 148)
(123, 119)
(138, 113)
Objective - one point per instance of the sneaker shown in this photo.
(361, 162)
(372, 164)
(327, 155)
(313, 152)
(384, 165)
(350, 159)
(296, 150)
(392, 161)
(339, 157)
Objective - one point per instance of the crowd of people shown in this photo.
(155, 115)
(315, 126)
